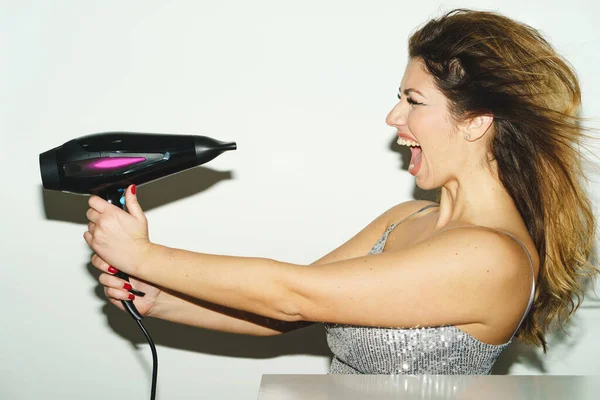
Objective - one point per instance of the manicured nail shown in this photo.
(112, 269)
(132, 189)
(127, 286)
(131, 297)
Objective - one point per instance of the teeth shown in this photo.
(407, 142)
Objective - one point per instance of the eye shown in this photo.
(409, 100)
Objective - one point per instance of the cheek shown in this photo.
(426, 124)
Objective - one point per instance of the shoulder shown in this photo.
(491, 265)
(496, 266)
(479, 247)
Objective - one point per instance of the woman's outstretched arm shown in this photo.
(180, 308)
(363, 290)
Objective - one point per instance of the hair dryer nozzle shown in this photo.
(49, 170)
(208, 148)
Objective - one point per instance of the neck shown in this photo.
(477, 198)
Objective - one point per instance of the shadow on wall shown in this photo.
(405, 154)
(533, 357)
(305, 341)
(72, 208)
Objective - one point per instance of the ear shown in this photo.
(478, 126)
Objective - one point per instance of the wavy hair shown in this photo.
(487, 63)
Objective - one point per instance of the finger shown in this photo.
(99, 204)
(88, 238)
(91, 228)
(92, 215)
(109, 269)
(114, 282)
(109, 279)
(102, 265)
(118, 294)
(133, 207)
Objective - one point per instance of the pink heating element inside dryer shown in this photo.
(116, 162)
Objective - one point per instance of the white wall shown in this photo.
(302, 87)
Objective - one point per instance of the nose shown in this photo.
(396, 116)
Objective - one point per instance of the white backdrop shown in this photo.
(302, 87)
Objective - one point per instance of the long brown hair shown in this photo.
(486, 63)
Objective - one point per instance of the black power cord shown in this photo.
(154, 360)
(118, 199)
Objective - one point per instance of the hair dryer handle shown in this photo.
(117, 199)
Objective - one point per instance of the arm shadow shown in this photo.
(307, 341)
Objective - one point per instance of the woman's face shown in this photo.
(428, 123)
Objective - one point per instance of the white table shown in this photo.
(379, 387)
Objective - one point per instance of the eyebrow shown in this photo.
(407, 91)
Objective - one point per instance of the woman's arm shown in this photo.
(253, 284)
(179, 308)
(472, 275)
(259, 285)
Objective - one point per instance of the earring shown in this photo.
(468, 136)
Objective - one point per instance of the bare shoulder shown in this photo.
(498, 264)
(509, 253)
(492, 245)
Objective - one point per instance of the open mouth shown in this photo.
(415, 159)
(416, 151)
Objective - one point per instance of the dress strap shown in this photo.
(392, 226)
(531, 296)
(380, 245)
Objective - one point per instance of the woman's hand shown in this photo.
(116, 289)
(120, 238)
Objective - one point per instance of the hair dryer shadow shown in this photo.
(66, 207)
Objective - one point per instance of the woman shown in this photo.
(489, 110)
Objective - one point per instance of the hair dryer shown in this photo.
(105, 164)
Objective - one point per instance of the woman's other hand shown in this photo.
(117, 289)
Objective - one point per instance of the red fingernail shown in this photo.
(132, 189)
(131, 297)
(127, 286)
(112, 269)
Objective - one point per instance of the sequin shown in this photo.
(442, 350)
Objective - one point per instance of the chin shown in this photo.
(425, 185)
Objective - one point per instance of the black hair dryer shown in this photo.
(105, 164)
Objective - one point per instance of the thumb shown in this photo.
(133, 207)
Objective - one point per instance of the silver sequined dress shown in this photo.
(442, 350)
